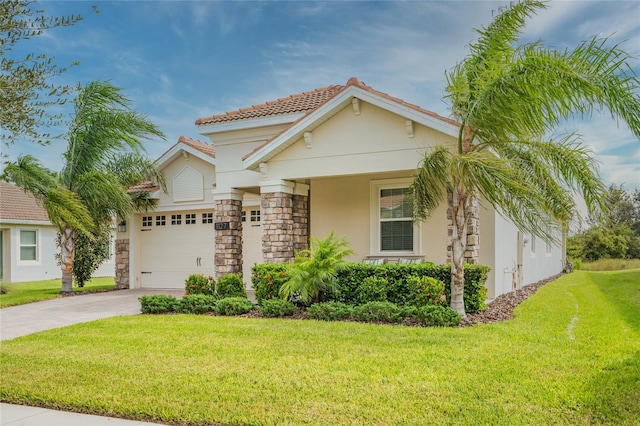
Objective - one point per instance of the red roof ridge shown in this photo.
(204, 147)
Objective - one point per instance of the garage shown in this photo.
(175, 245)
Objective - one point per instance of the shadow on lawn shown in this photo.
(613, 393)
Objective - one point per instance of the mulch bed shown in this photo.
(501, 308)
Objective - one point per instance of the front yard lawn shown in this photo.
(570, 356)
(35, 291)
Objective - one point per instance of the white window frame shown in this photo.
(374, 198)
(37, 246)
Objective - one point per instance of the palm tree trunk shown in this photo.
(457, 201)
(67, 253)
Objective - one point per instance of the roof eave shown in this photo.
(295, 132)
(252, 123)
(176, 150)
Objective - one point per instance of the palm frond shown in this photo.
(429, 187)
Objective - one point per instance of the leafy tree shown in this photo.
(91, 252)
(508, 98)
(27, 92)
(313, 273)
(87, 192)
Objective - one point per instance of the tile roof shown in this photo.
(301, 102)
(353, 81)
(146, 186)
(16, 205)
(203, 147)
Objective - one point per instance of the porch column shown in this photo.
(277, 221)
(301, 217)
(122, 264)
(228, 231)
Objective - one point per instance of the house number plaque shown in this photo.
(221, 226)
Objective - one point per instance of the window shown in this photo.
(190, 219)
(176, 219)
(147, 221)
(533, 244)
(207, 217)
(28, 245)
(161, 220)
(393, 229)
(547, 250)
(243, 216)
(255, 215)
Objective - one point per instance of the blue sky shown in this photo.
(182, 60)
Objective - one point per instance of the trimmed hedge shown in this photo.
(267, 279)
(275, 308)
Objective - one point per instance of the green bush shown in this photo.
(199, 284)
(197, 304)
(379, 312)
(436, 316)
(426, 291)
(372, 289)
(267, 278)
(275, 308)
(230, 306)
(330, 311)
(158, 304)
(398, 290)
(230, 285)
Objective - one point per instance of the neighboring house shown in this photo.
(338, 158)
(28, 240)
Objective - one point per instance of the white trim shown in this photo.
(177, 150)
(374, 201)
(230, 126)
(38, 247)
(284, 186)
(230, 194)
(333, 105)
(25, 222)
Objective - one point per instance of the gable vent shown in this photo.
(188, 185)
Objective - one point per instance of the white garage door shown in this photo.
(175, 245)
(251, 242)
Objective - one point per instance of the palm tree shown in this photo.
(103, 158)
(508, 99)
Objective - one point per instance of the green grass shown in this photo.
(611, 265)
(35, 291)
(571, 356)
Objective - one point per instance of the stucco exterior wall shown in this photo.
(46, 266)
(375, 141)
(343, 204)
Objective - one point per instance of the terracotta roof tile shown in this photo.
(16, 204)
(353, 81)
(146, 186)
(301, 102)
(203, 147)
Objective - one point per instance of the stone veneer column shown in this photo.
(228, 242)
(285, 222)
(122, 264)
(472, 249)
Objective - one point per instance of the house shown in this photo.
(28, 240)
(270, 176)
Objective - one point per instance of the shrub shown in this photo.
(230, 306)
(278, 308)
(313, 272)
(230, 285)
(197, 304)
(372, 289)
(158, 304)
(378, 312)
(199, 284)
(425, 291)
(436, 316)
(267, 279)
(330, 311)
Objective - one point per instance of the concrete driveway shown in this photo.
(16, 321)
